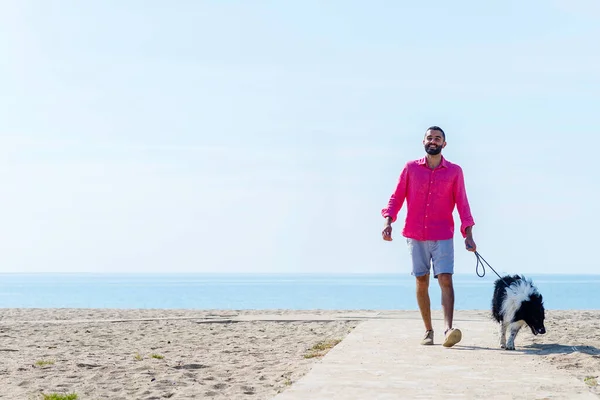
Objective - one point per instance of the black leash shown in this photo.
(479, 261)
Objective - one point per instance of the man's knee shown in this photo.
(423, 281)
(445, 280)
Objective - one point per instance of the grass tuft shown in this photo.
(157, 356)
(321, 348)
(314, 354)
(43, 363)
(57, 396)
(591, 381)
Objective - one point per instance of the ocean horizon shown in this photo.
(296, 291)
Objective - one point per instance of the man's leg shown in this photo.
(421, 266)
(443, 269)
(445, 281)
(423, 300)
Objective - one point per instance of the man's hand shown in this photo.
(387, 230)
(470, 244)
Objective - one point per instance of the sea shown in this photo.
(274, 291)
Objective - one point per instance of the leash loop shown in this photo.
(480, 261)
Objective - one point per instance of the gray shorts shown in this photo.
(424, 253)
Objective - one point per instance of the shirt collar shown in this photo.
(423, 161)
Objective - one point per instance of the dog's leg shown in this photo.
(514, 329)
(502, 331)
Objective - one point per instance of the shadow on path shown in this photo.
(553, 348)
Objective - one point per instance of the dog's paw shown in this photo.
(510, 346)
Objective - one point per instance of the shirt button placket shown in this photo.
(428, 196)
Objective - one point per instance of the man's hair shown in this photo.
(437, 128)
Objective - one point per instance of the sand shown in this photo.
(572, 343)
(108, 354)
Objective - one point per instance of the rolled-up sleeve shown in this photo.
(397, 198)
(462, 203)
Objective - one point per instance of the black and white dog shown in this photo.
(516, 303)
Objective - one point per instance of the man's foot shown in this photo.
(453, 336)
(428, 339)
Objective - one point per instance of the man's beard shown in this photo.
(434, 151)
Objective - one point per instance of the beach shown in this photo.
(219, 354)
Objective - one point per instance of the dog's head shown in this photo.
(534, 314)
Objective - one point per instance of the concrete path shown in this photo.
(381, 359)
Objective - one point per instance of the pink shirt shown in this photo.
(430, 195)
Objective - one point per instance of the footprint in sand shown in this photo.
(89, 366)
(191, 366)
(248, 389)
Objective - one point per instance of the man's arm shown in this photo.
(469, 231)
(390, 212)
(464, 211)
(462, 205)
(394, 204)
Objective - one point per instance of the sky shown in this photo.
(266, 136)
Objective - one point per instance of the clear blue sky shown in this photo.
(266, 136)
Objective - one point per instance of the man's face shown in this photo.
(434, 142)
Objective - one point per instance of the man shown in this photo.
(432, 186)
